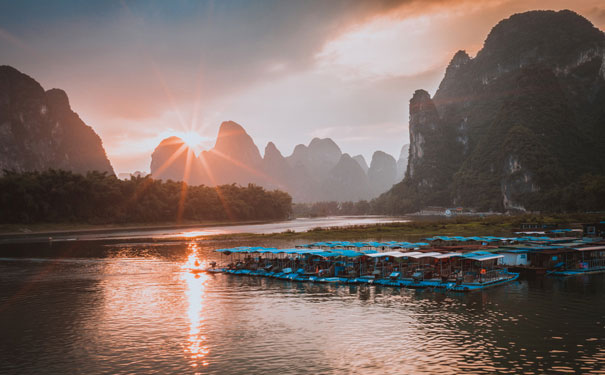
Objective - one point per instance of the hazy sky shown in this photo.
(288, 71)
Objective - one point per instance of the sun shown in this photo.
(191, 138)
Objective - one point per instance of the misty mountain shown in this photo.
(516, 127)
(318, 171)
(382, 172)
(320, 156)
(346, 181)
(402, 162)
(39, 130)
(362, 162)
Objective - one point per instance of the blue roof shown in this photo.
(369, 251)
(347, 253)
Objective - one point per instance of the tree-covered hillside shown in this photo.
(519, 127)
(98, 198)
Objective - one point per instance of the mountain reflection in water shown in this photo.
(141, 309)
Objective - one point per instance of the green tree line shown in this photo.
(98, 198)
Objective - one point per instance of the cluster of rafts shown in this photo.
(448, 263)
(413, 268)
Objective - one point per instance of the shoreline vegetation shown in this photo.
(60, 202)
(463, 225)
(38, 229)
(57, 196)
(416, 228)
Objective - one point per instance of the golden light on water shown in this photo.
(196, 346)
(199, 233)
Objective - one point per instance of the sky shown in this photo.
(287, 71)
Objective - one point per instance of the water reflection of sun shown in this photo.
(196, 347)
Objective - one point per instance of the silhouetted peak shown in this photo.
(231, 133)
(405, 150)
(230, 128)
(271, 151)
(362, 162)
(58, 99)
(323, 144)
(299, 148)
(459, 59)
(233, 142)
(421, 96)
(20, 84)
(171, 141)
(421, 101)
(40, 130)
(382, 172)
(381, 157)
(541, 35)
(7, 69)
(350, 168)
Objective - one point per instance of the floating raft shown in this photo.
(398, 283)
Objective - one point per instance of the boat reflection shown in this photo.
(196, 347)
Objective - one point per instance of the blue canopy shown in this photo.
(348, 253)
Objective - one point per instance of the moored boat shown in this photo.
(457, 271)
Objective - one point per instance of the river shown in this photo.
(132, 308)
(294, 225)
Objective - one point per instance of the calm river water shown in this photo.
(81, 307)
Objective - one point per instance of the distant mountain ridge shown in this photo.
(318, 171)
(521, 126)
(39, 130)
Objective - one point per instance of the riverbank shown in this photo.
(66, 229)
(500, 225)
(332, 228)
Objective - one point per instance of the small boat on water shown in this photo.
(449, 263)
(581, 261)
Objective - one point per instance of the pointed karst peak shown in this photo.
(380, 158)
(7, 69)
(57, 99)
(549, 35)
(21, 85)
(459, 59)
(323, 143)
(324, 146)
(231, 134)
(233, 141)
(171, 141)
(421, 101)
(421, 96)
(272, 151)
(405, 150)
(362, 162)
(230, 128)
(40, 131)
(172, 145)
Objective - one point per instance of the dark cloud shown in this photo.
(135, 68)
(129, 55)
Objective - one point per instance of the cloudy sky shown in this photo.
(288, 71)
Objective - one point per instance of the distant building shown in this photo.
(433, 210)
(538, 226)
(594, 229)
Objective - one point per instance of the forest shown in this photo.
(57, 196)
